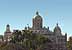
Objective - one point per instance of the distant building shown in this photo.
(7, 33)
(58, 40)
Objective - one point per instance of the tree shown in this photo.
(29, 40)
(16, 36)
(69, 43)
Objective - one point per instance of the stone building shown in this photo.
(58, 40)
(7, 33)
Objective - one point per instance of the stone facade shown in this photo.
(58, 40)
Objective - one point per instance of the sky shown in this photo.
(19, 13)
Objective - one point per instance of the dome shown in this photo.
(57, 29)
(37, 21)
(38, 16)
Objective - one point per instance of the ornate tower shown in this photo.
(37, 21)
(7, 33)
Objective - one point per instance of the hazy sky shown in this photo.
(19, 13)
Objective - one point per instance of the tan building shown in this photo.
(58, 40)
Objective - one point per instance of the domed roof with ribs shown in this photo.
(57, 28)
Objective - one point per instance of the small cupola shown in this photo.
(7, 28)
(57, 29)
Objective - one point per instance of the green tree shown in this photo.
(28, 39)
(69, 43)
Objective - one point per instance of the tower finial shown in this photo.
(37, 13)
(7, 25)
(57, 24)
